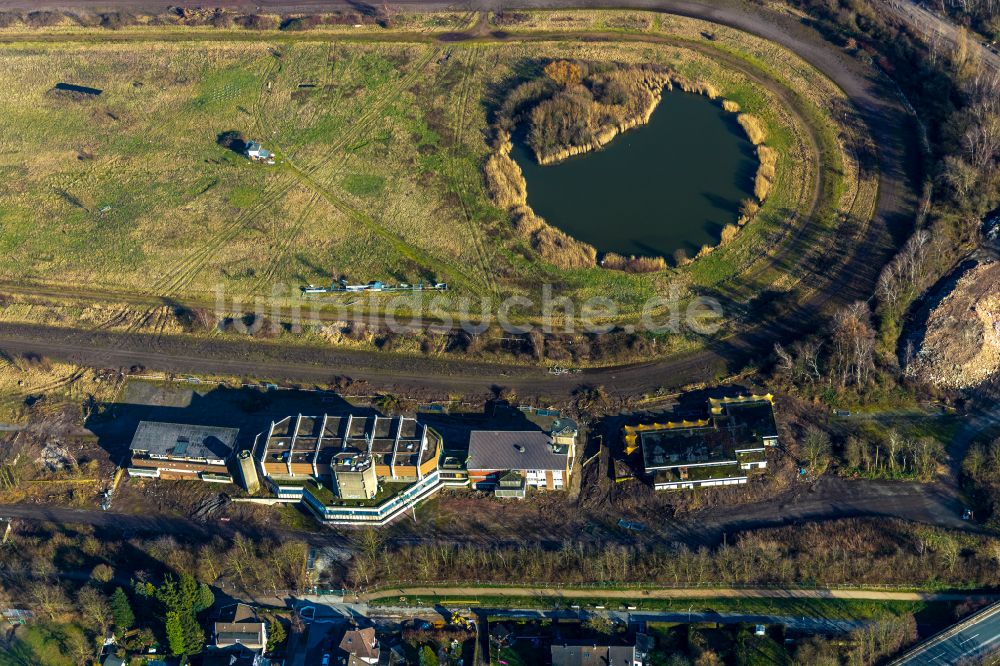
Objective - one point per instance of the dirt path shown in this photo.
(666, 593)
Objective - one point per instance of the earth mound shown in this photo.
(961, 345)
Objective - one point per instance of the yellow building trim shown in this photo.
(718, 403)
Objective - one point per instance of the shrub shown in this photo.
(748, 209)
(507, 18)
(564, 73)
(301, 23)
(257, 22)
(102, 573)
(221, 20)
(761, 186)
(116, 20)
(633, 264)
(8, 19)
(729, 232)
(43, 19)
(753, 127)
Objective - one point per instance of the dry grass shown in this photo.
(553, 245)
(730, 106)
(753, 127)
(633, 264)
(35, 383)
(504, 180)
(729, 233)
(695, 86)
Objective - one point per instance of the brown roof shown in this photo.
(360, 643)
(240, 626)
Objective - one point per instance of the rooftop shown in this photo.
(175, 440)
(305, 439)
(238, 625)
(578, 653)
(518, 449)
(360, 643)
(698, 445)
(753, 414)
(734, 427)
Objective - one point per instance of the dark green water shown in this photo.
(670, 184)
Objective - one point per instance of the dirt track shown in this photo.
(665, 593)
(851, 279)
(828, 500)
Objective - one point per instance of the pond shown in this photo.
(670, 184)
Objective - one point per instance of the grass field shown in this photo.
(380, 145)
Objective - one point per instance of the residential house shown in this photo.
(238, 627)
(508, 461)
(717, 450)
(180, 451)
(359, 647)
(593, 653)
(234, 657)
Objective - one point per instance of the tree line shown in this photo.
(854, 551)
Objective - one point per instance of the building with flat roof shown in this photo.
(181, 451)
(534, 455)
(354, 474)
(717, 450)
(400, 448)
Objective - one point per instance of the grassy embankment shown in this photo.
(376, 181)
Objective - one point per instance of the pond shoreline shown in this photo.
(508, 186)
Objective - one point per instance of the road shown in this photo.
(848, 278)
(965, 643)
(935, 28)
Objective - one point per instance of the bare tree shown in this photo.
(816, 447)
(854, 345)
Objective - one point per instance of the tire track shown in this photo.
(458, 184)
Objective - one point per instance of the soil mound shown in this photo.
(961, 346)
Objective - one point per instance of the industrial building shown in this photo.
(719, 449)
(181, 451)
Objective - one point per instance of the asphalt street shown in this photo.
(969, 640)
